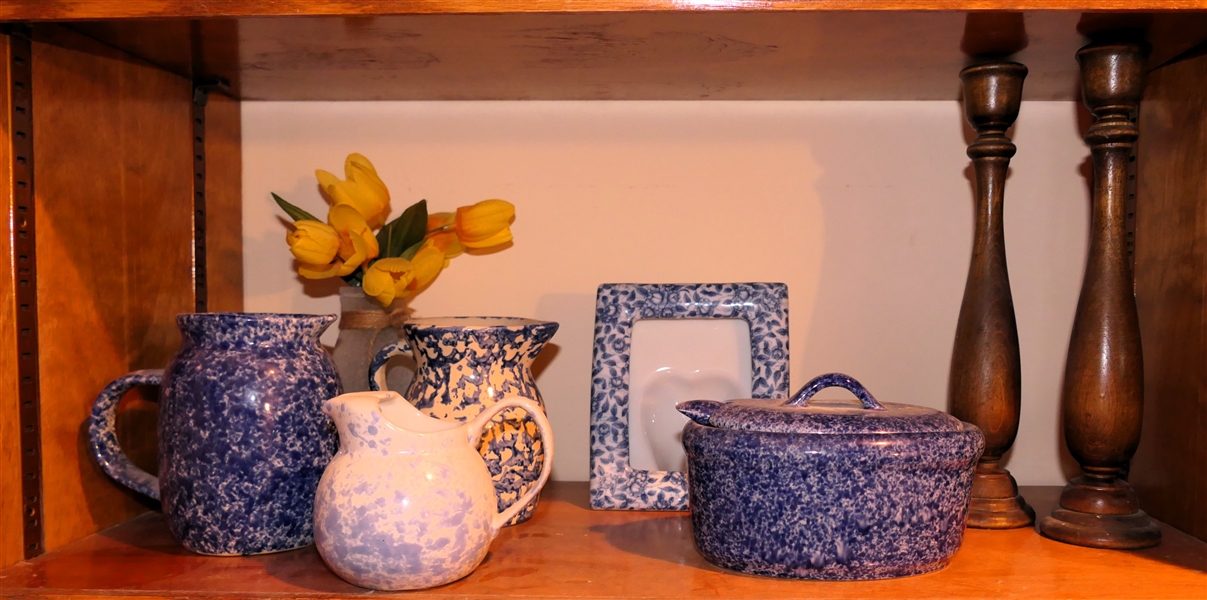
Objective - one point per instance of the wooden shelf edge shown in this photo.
(570, 551)
(69, 10)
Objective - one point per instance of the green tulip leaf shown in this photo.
(405, 231)
(296, 213)
(412, 250)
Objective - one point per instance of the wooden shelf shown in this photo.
(142, 9)
(618, 50)
(568, 550)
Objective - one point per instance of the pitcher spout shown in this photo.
(542, 332)
(382, 422)
(539, 333)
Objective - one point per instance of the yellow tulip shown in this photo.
(441, 221)
(357, 168)
(427, 262)
(332, 249)
(357, 244)
(384, 277)
(362, 189)
(319, 271)
(389, 279)
(443, 236)
(448, 244)
(485, 224)
(312, 242)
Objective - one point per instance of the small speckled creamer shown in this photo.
(242, 439)
(828, 490)
(408, 503)
(464, 365)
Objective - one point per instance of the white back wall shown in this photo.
(863, 208)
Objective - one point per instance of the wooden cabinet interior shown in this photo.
(223, 203)
(113, 201)
(1169, 471)
(114, 258)
(570, 551)
(673, 55)
(12, 544)
(64, 10)
(114, 105)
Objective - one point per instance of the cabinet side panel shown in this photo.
(1169, 470)
(11, 531)
(224, 201)
(115, 248)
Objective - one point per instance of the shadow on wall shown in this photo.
(568, 383)
(1068, 465)
(898, 235)
(892, 265)
(271, 242)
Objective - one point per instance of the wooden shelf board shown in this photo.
(568, 550)
(60, 10)
(685, 55)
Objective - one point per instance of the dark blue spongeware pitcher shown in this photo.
(243, 440)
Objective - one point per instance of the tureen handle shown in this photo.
(699, 410)
(834, 380)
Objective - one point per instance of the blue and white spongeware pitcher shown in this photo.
(242, 437)
(463, 366)
(407, 503)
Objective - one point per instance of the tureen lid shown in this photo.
(799, 415)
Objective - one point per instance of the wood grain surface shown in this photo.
(114, 254)
(1103, 395)
(1104, 376)
(11, 534)
(803, 55)
(57, 10)
(224, 204)
(986, 370)
(570, 551)
(1169, 470)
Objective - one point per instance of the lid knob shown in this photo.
(834, 380)
(699, 410)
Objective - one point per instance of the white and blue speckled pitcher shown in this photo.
(242, 437)
(465, 365)
(407, 503)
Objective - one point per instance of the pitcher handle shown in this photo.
(102, 432)
(377, 375)
(478, 426)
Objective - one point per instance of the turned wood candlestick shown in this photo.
(985, 368)
(1104, 377)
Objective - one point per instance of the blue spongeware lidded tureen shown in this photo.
(828, 489)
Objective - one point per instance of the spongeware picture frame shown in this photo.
(763, 307)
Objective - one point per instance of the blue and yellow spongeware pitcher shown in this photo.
(464, 365)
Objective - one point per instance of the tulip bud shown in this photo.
(312, 242)
(485, 224)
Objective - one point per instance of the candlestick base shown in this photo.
(996, 503)
(1114, 523)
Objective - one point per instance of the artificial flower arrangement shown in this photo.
(405, 255)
